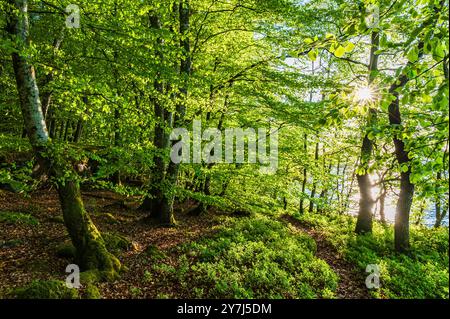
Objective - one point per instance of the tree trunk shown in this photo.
(342, 189)
(314, 189)
(366, 201)
(383, 206)
(405, 199)
(441, 216)
(153, 202)
(406, 187)
(167, 216)
(61, 130)
(78, 131)
(305, 176)
(91, 252)
(66, 130)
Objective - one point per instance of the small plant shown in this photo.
(135, 292)
(14, 218)
(154, 253)
(148, 276)
(117, 243)
(45, 289)
(91, 292)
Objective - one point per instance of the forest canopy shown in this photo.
(224, 149)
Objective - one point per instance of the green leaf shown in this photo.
(413, 54)
(349, 47)
(340, 51)
(313, 55)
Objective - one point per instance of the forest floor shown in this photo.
(351, 281)
(29, 245)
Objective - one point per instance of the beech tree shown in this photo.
(91, 253)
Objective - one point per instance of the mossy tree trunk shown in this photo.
(91, 250)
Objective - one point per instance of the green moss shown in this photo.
(14, 218)
(66, 250)
(90, 277)
(154, 253)
(91, 292)
(45, 289)
(91, 248)
(116, 243)
(56, 219)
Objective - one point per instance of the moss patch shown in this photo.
(154, 253)
(45, 289)
(90, 277)
(14, 218)
(66, 250)
(116, 243)
(92, 292)
(56, 219)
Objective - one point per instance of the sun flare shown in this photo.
(364, 95)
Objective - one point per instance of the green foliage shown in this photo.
(42, 289)
(91, 292)
(422, 273)
(116, 243)
(154, 253)
(290, 65)
(16, 164)
(66, 250)
(253, 258)
(18, 218)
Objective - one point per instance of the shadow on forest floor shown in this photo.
(28, 250)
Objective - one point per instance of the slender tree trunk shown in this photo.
(78, 131)
(366, 201)
(441, 216)
(342, 189)
(324, 193)
(305, 175)
(349, 192)
(52, 123)
(91, 252)
(47, 94)
(153, 202)
(314, 189)
(66, 130)
(202, 207)
(185, 72)
(61, 129)
(383, 206)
